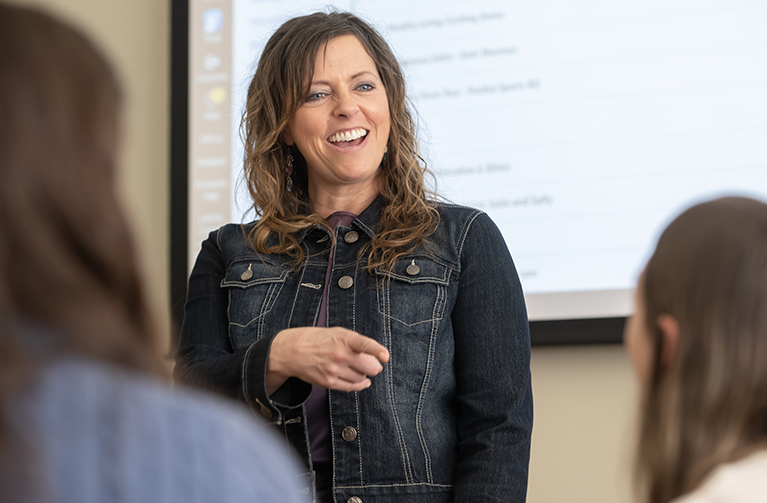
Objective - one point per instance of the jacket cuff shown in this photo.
(292, 394)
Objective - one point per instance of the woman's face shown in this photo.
(637, 337)
(343, 125)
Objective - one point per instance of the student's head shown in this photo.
(66, 254)
(698, 342)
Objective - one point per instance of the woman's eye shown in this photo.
(366, 87)
(316, 96)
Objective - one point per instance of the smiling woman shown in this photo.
(385, 333)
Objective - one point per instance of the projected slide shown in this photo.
(581, 127)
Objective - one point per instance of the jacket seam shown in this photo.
(390, 386)
(266, 307)
(359, 433)
(465, 232)
(298, 291)
(410, 484)
(440, 300)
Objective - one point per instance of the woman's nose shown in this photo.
(346, 105)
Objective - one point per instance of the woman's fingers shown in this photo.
(334, 357)
(359, 366)
(361, 344)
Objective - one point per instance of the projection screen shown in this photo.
(581, 127)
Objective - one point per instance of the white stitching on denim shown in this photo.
(228, 317)
(390, 384)
(370, 231)
(356, 394)
(287, 441)
(445, 279)
(354, 299)
(248, 399)
(441, 295)
(465, 232)
(295, 297)
(409, 324)
(437, 313)
(305, 430)
(332, 437)
(253, 281)
(244, 285)
(312, 285)
(413, 484)
(332, 265)
(266, 307)
(359, 433)
(245, 393)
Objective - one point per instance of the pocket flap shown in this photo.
(244, 274)
(418, 270)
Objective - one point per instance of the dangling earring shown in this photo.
(386, 149)
(290, 160)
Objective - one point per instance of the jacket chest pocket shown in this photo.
(415, 293)
(253, 289)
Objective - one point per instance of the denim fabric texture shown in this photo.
(450, 416)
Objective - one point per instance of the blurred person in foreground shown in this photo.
(86, 412)
(698, 343)
(382, 332)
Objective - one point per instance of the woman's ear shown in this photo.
(669, 327)
(287, 137)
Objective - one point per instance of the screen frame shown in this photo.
(565, 332)
(179, 163)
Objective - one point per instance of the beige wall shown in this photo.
(584, 396)
(585, 400)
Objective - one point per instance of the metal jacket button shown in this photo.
(349, 434)
(351, 237)
(345, 282)
(354, 499)
(247, 274)
(413, 269)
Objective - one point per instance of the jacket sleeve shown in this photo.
(205, 357)
(495, 403)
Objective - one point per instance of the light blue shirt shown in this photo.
(102, 435)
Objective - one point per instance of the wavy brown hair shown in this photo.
(279, 87)
(708, 406)
(67, 258)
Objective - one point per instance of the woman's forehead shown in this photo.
(343, 50)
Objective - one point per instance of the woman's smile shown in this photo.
(349, 138)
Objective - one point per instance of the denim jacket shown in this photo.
(450, 416)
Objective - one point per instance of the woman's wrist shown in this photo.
(276, 371)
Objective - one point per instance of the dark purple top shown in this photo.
(317, 409)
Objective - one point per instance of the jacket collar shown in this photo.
(370, 216)
(367, 221)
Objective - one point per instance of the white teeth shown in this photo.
(348, 135)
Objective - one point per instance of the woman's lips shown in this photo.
(349, 144)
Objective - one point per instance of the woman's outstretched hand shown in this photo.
(334, 357)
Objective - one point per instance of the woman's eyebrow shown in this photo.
(353, 77)
(360, 74)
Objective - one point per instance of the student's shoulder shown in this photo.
(215, 444)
